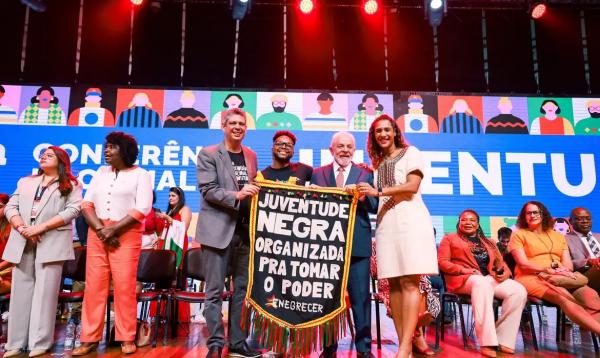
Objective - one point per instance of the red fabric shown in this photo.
(153, 224)
(455, 254)
(4, 238)
(556, 126)
(184, 307)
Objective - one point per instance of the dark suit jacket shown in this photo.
(579, 253)
(455, 254)
(218, 185)
(361, 244)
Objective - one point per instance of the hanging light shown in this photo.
(538, 10)
(306, 6)
(371, 7)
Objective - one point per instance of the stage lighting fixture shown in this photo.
(35, 5)
(434, 11)
(306, 6)
(137, 2)
(371, 7)
(538, 10)
(239, 8)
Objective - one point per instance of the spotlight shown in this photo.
(435, 4)
(35, 5)
(239, 8)
(538, 10)
(306, 6)
(371, 7)
(137, 2)
(434, 11)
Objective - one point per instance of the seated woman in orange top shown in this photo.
(473, 265)
(539, 250)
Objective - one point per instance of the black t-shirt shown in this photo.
(241, 174)
(299, 170)
(481, 254)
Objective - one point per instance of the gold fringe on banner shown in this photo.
(293, 342)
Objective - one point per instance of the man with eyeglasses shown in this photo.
(281, 168)
(585, 246)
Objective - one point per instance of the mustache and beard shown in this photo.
(278, 109)
(594, 114)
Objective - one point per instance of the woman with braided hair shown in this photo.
(473, 265)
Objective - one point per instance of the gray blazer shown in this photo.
(579, 253)
(218, 185)
(56, 244)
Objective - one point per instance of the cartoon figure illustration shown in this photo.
(506, 122)
(44, 109)
(415, 121)
(92, 114)
(562, 225)
(368, 110)
(460, 120)
(325, 119)
(550, 122)
(7, 114)
(139, 113)
(186, 116)
(590, 125)
(233, 100)
(279, 119)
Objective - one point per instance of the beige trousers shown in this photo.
(483, 289)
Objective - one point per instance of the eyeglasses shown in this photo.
(533, 213)
(582, 218)
(283, 144)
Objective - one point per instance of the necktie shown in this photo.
(339, 179)
(594, 246)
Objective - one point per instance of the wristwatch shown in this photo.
(379, 191)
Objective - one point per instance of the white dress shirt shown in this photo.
(115, 196)
(347, 168)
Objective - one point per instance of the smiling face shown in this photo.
(44, 98)
(234, 128)
(342, 149)
(384, 135)
(582, 221)
(468, 223)
(283, 149)
(533, 216)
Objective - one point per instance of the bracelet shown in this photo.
(379, 191)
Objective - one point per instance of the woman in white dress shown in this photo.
(405, 241)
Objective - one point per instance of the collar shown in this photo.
(336, 167)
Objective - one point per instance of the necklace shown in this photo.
(553, 264)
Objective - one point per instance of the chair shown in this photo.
(191, 268)
(461, 299)
(157, 267)
(74, 270)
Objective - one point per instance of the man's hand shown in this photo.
(247, 190)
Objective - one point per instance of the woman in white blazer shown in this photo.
(40, 212)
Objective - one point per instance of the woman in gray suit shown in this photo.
(40, 213)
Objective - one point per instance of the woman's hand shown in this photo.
(501, 278)
(469, 271)
(35, 230)
(366, 189)
(565, 272)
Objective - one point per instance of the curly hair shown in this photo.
(375, 153)
(128, 146)
(547, 220)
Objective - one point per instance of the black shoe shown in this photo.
(364, 355)
(214, 352)
(243, 351)
(328, 353)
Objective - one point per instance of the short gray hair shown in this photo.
(337, 135)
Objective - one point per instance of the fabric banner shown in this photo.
(301, 242)
(174, 236)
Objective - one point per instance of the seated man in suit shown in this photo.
(585, 246)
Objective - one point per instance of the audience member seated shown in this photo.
(472, 265)
(504, 234)
(544, 267)
(5, 266)
(585, 247)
